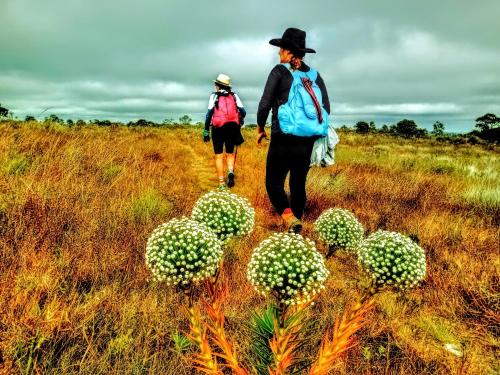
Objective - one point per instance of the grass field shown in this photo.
(77, 206)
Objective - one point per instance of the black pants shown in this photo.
(288, 154)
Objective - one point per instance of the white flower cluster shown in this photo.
(288, 266)
(182, 252)
(392, 259)
(224, 213)
(339, 228)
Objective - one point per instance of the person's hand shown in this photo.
(206, 136)
(261, 134)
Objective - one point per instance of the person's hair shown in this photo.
(222, 87)
(297, 57)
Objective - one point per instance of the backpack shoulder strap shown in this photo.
(234, 98)
(217, 96)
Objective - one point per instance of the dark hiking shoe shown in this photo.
(331, 251)
(293, 224)
(296, 227)
(230, 180)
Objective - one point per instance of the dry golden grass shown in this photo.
(77, 206)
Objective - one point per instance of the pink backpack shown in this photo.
(225, 110)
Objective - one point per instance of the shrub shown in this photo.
(288, 267)
(4, 112)
(459, 140)
(183, 252)
(392, 260)
(362, 127)
(225, 213)
(474, 140)
(442, 168)
(339, 228)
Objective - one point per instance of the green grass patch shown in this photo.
(439, 329)
(16, 165)
(109, 172)
(330, 184)
(148, 205)
(28, 354)
(121, 344)
(483, 197)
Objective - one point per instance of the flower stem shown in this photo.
(203, 361)
(336, 343)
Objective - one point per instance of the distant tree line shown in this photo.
(404, 128)
(487, 129)
(183, 120)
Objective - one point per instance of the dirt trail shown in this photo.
(203, 169)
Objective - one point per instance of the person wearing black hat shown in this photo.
(287, 153)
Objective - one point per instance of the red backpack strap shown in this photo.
(308, 86)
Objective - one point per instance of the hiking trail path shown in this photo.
(203, 169)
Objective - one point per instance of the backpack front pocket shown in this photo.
(285, 119)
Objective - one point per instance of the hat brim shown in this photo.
(279, 43)
(221, 83)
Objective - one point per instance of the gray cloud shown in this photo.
(381, 60)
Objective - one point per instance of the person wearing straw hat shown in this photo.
(225, 115)
(298, 98)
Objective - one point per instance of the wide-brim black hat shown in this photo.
(293, 40)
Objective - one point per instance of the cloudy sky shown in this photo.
(381, 60)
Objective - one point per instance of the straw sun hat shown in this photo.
(223, 80)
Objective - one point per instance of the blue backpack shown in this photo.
(301, 115)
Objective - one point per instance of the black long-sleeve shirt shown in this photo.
(276, 93)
